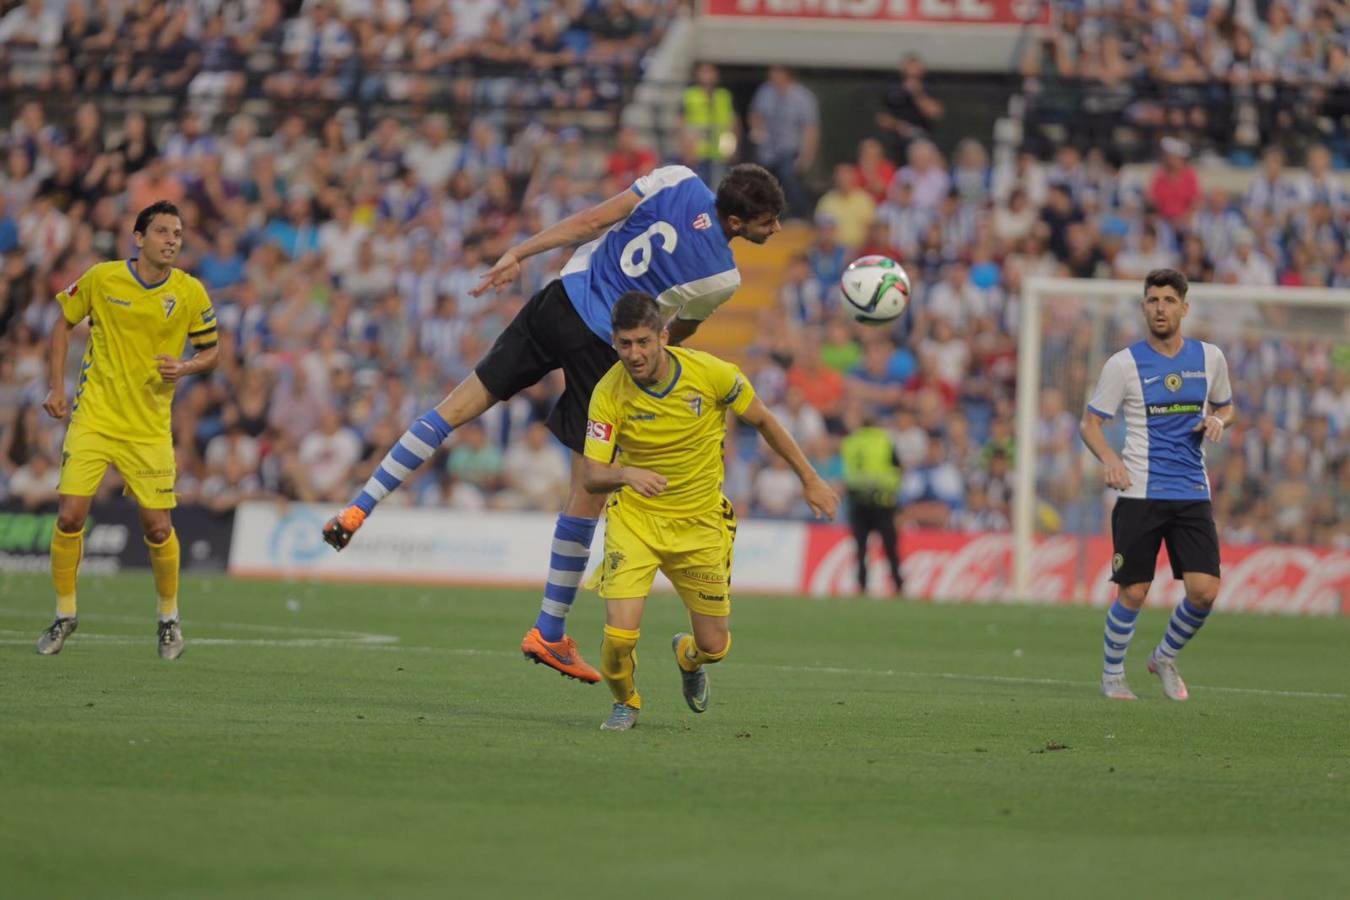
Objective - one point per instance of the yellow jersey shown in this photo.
(120, 392)
(676, 431)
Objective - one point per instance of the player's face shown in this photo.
(161, 240)
(642, 351)
(1163, 311)
(756, 231)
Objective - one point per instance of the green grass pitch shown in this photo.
(333, 741)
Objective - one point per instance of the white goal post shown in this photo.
(1100, 317)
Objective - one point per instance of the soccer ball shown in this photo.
(876, 289)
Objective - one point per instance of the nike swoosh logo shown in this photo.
(1151, 380)
(565, 660)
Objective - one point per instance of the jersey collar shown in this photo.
(131, 266)
(674, 379)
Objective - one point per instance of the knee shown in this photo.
(158, 534)
(1134, 595)
(715, 646)
(67, 523)
(1203, 596)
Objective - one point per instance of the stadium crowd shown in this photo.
(339, 254)
(1229, 76)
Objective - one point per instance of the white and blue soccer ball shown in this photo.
(876, 289)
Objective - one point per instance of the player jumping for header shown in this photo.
(668, 236)
(1165, 382)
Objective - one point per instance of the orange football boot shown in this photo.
(561, 655)
(339, 530)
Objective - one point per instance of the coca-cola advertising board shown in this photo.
(1003, 13)
(950, 566)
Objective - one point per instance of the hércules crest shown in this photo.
(170, 301)
(1172, 382)
(1116, 562)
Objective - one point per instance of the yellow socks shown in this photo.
(164, 564)
(618, 661)
(690, 657)
(67, 549)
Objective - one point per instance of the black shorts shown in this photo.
(1140, 526)
(548, 333)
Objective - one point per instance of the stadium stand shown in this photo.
(338, 228)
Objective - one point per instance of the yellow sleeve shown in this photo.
(602, 424)
(732, 389)
(78, 299)
(202, 329)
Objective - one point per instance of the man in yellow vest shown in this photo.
(872, 478)
(708, 113)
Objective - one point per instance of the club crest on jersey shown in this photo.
(695, 403)
(1172, 382)
(169, 303)
(702, 222)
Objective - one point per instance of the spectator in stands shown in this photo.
(630, 157)
(1175, 191)
(932, 490)
(534, 472)
(908, 111)
(849, 205)
(926, 175)
(875, 171)
(785, 129)
(708, 115)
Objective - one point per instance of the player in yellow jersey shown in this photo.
(657, 423)
(142, 312)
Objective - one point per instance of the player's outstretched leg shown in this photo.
(1120, 622)
(469, 400)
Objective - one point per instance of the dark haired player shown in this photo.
(1175, 393)
(142, 312)
(668, 236)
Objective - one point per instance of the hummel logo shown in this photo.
(702, 221)
(1151, 380)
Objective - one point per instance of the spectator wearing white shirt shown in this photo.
(1246, 265)
(325, 458)
(926, 174)
(535, 471)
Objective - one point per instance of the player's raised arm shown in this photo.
(577, 228)
(822, 499)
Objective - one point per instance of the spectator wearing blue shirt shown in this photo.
(9, 229)
(874, 382)
(296, 235)
(785, 128)
(223, 267)
(931, 491)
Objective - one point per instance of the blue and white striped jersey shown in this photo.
(672, 246)
(1164, 399)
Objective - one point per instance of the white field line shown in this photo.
(322, 637)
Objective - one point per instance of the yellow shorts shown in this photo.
(694, 553)
(148, 469)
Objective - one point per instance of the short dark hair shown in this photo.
(749, 192)
(1160, 278)
(158, 208)
(636, 309)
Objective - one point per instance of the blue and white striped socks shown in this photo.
(1185, 622)
(1119, 629)
(416, 446)
(566, 567)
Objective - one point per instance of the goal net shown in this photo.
(1280, 480)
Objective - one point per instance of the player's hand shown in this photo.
(822, 499)
(1117, 476)
(170, 368)
(56, 405)
(644, 481)
(503, 273)
(1212, 426)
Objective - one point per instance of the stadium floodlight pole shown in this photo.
(1034, 292)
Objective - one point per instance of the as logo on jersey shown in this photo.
(599, 431)
(169, 303)
(702, 222)
(1172, 382)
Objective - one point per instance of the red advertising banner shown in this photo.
(940, 12)
(940, 565)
